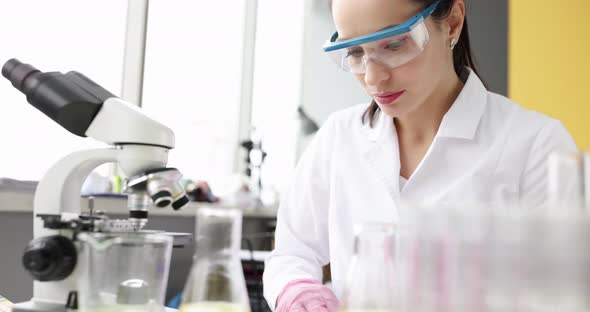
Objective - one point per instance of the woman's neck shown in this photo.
(421, 125)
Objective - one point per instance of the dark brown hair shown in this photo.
(462, 53)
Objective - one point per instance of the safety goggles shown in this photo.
(391, 47)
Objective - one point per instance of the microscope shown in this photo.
(137, 143)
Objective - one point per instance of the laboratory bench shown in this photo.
(16, 230)
(19, 201)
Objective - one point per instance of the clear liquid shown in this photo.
(213, 307)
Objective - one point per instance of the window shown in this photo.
(87, 37)
(192, 81)
(277, 86)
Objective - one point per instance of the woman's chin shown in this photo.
(395, 110)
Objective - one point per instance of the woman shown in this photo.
(432, 133)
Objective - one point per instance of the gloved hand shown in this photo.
(306, 295)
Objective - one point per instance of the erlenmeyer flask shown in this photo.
(370, 280)
(216, 281)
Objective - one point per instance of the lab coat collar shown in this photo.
(461, 121)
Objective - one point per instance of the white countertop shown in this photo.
(19, 201)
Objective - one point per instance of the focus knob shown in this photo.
(51, 258)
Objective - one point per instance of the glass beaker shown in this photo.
(123, 272)
(370, 282)
(216, 281)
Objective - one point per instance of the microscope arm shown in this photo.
(57, 192)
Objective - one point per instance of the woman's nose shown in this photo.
(375, 73)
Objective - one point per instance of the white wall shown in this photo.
(324, 87)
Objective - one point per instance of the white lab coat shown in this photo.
(487, 148)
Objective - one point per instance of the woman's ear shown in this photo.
(456, 19)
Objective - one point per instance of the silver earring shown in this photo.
(453, 43)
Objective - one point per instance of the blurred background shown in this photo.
(214, 70)
(232, 76)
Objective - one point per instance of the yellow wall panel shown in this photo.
(549, 61)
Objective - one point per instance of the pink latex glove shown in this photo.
(306, 295)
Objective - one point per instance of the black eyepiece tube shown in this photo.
(17, 72)
(72, 99)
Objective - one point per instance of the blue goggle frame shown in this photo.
(403, 28)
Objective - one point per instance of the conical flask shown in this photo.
(370, 280)
(216, 281)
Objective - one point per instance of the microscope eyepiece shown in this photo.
(72, 99)
(21, 75)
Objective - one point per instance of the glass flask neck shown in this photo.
(218, 233)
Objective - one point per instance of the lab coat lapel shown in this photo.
(458, 128)
(382, 154)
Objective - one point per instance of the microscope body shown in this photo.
(136, 142)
